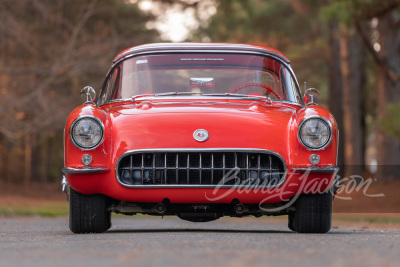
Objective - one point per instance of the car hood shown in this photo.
(230, 125)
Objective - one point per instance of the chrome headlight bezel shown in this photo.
(324, 120)
(96, 120)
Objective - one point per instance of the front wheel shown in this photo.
(313, 213)
(88, 213)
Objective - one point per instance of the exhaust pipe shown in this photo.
(239, 208)
(161, 208)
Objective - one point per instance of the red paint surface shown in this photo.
(166, 124)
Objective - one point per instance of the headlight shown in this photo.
(315, 133)
(87, 132)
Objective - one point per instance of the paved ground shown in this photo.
(148, 241)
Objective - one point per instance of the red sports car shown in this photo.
(200, 131)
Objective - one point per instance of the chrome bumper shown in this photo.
(68, 170)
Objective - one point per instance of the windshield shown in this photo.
(200, 74)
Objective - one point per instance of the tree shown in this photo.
(336, 33)
(352, 72)
(286, 25)
(49, 50)
(388, 92)
(387, 60)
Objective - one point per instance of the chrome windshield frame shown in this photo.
(199, 51)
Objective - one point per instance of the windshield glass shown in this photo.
(200, 74)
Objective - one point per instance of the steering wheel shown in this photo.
(269, 89)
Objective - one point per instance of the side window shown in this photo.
(290, 86)
(296, 92)
(112, 81)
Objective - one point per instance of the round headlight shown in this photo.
(86, 132)
(315, 133)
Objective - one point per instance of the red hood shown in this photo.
(230, 125)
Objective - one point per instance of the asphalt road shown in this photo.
(152, 241)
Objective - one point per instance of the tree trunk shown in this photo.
(28, 160)
(335, 88)
(388, 91)
(46, 159)
(36, 160)
(2, 143)
(351, 71)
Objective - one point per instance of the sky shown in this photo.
(175, 23)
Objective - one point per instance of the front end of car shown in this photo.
(199, 157)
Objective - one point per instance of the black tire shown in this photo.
(313, 213)
(291, 220)
(88, 213)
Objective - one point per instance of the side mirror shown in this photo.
(311, 96)
(88, 94)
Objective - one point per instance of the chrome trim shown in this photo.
(207, 135)
(315, 117)
(311, 96)
(64, 183)
(87, 156)
(204, 51)
(80, 118)
(314, 169)
(249, 150)
(287, 102)
(337, 147)
(201, 49)
(69, 170)
(88, 91)
(200, 97)
(118, 100)
(314, 155)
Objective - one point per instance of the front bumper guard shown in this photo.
(330, 169)
(314, 169)
(69, 170)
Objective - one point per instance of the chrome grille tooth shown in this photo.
(188, 168)
(235, 155)
(247, 166)
(130, 168)
(200, 168)
(270, 167)
(212, 168)
(176, 168)
(236, 166)
(142, 168)
(223, 168)
(258, 167)
(154, 168)
(165, 168)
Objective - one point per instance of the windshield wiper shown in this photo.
(267, 99)
(142, 95)
(178, 93)
(164, 94)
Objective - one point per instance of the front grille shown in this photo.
(201, 168)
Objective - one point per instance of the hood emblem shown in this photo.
(200, 135)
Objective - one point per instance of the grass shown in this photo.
(44, 210)
(57, 209)
(374, 219)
